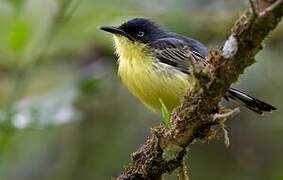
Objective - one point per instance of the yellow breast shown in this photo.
(147, 78)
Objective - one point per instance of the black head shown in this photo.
(138, 29)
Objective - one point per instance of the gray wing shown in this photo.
(178, 53)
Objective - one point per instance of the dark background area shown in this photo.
(64, 113)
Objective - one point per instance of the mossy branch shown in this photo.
(193, 120)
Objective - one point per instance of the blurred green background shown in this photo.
(64, 114)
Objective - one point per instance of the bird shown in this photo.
(156, 65)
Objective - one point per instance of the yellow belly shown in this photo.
(147, 78)
(151, 82)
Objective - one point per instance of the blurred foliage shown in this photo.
(18, 36)
(65, 115)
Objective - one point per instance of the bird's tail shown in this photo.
(252, 103)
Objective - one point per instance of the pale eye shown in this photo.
(140, 34)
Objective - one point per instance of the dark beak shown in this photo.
(116, 30)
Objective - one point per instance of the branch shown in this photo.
(193, 120)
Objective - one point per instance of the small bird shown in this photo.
(155, 65)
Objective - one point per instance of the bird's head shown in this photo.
(132, 37)
(137, 30)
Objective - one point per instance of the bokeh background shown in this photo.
(64, 114)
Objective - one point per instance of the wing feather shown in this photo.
(177, 53)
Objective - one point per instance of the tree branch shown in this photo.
(193, 119)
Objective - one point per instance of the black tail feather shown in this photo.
(252, 103)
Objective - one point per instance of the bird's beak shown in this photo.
(116, 30)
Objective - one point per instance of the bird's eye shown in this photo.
(140, 34)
